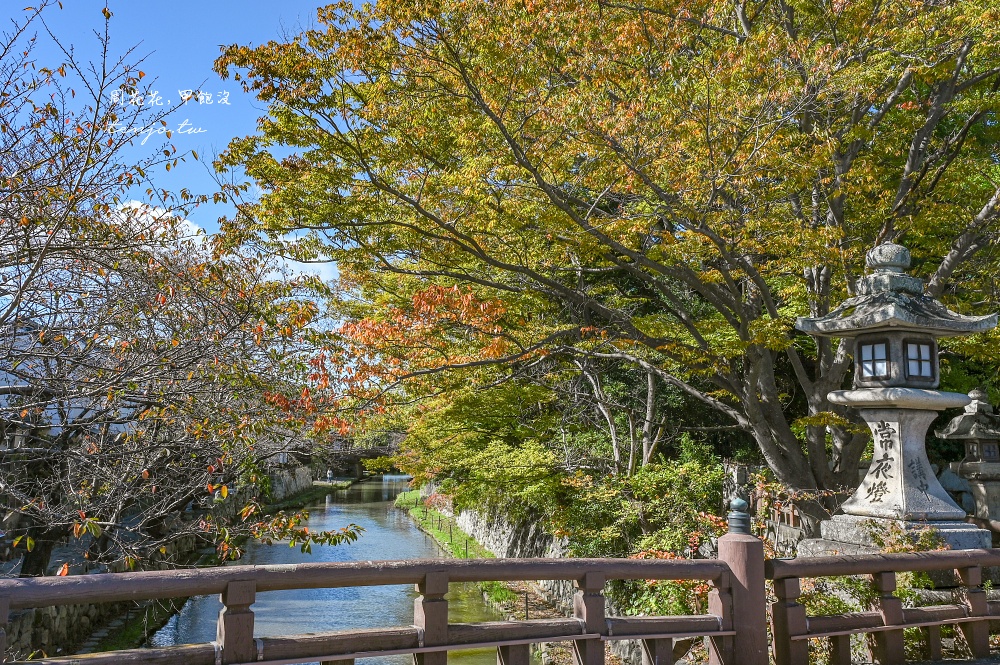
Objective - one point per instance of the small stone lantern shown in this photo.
(979, 427)
(894, 328)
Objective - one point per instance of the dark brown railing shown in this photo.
(735, 628)
(792, 628)
(429, 638)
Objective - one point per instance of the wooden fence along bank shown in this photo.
(735, 627)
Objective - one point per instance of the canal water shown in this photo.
(389, 534)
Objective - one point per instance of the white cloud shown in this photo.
(325, 269)
(161, 221)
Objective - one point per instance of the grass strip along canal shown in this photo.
(513, 600)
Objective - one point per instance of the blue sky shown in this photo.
(180, 39)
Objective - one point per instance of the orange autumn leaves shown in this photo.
(440, 327)
(436, 328)
(426, 330)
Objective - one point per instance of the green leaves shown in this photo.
(608, 192)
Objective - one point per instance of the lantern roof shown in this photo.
(890, 300)
(978, 421)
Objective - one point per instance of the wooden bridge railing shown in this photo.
(429, 638)
(792, 628)
(735, 627)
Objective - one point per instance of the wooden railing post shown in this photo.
(4, 618)
(430, 614)
(514, 654)
(840, 650)
(788, 620)
(889, 642)
(588, 606)
(720, 603)
(659, 651)
(234, 633)
(977, 633)
(740, 600)
(932, 650)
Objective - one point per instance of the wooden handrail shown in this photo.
(113, 587)
(792, 628)
(867, 564)
(736, 589)
(429, 638)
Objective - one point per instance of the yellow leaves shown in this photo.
(771, 333)
(823, 419)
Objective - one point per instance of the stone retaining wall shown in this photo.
(53, 629)
(530, 540)
(57, 630)
(286, 482)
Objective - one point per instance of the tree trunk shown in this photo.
(36, 562)
(647, 423)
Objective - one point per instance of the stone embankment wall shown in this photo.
(53, 630)
(286, 482)
(530, 540)
(56, 630)
(42, 629)
(523, 541)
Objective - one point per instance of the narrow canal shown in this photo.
(389, 534)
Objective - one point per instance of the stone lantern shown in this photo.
(894, 328)
(979, 428)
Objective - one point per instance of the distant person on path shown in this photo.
(329, 476)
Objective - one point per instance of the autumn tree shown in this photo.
(136, 389)
(666, 185)
(138, 354)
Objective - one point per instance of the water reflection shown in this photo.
(389, 534)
